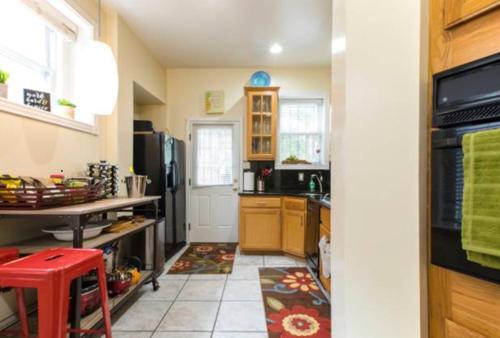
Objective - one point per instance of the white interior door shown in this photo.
(214, 181)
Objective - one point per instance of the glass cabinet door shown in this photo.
(261, 117)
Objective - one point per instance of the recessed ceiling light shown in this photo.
(276, 49)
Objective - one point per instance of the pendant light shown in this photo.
(98, 76)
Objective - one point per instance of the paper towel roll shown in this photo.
(248, 181)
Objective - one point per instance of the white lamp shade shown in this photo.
(97, 79)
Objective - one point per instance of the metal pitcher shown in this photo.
(136, 185)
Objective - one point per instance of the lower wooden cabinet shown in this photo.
(326, 282)
(454, 330)
(462, 306)
(275, 224)
(294, 225)
(260, 228)
(324, 230)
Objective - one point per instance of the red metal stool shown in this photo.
(7, 255)
(51, 273)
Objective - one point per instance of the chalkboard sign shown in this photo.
(36, 99)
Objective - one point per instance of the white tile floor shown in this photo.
(202, 306)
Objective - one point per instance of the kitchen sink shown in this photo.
(320, 197)
(313, 195)
(326, 200)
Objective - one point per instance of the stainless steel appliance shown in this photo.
(261, 184)
(162, 159)
(466, 99)
(144, 243)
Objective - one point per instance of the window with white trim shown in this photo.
(39, 41)
(302, 132)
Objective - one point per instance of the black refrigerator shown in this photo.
(162, 158)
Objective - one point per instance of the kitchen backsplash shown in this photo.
(289, 179)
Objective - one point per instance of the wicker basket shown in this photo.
(40, 198)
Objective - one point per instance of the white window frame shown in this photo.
(21, 110)
(326, 139)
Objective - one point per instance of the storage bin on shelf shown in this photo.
(39, 198)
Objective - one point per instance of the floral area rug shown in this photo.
(294, 304)
(206, 258)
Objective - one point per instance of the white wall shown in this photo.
(379, 169)
(186, 89)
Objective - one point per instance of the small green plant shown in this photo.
(292, 158)
(67, 103)
(4, 76)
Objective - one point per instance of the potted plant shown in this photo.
(66, 108)
(4, 76)
(262, 177)
(292, 159)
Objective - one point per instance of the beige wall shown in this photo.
(154, 112)
(186, 89)
(379, 90)
(29, 147)
(135, 63)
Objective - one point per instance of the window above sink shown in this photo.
(303, 132)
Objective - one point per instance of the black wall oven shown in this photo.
(466, 99)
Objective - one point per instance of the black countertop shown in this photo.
(312, 197)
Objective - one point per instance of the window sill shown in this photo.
(14, 108)
(301, 166)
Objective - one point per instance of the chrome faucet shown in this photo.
(319, 178)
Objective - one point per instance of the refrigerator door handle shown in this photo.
(174, 176)
(177, 179)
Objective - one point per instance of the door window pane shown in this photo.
(213, 151)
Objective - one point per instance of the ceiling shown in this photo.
(232, 33)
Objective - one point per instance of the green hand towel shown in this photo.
(481, 202)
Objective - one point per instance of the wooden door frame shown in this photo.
(189, 157)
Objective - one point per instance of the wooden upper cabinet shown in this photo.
(261, 120)
(458, 11)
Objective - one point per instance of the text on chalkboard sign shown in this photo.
(37, 99)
